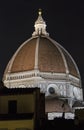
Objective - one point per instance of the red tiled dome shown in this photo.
(50, 56)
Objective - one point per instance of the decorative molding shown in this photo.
(36, 54)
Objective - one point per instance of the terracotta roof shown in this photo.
(51, 57)
(25, 58)
(71, 64)
(56, 105)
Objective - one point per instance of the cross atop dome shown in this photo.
(40, 25)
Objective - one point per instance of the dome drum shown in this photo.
(62, 87)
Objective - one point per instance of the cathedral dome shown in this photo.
(42, 62)
(43, 54)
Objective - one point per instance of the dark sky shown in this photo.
(65, 24)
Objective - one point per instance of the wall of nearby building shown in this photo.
(79, 114)
(21, 109)
(17, 125)
(25, 103)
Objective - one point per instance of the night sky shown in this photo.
(65, 24)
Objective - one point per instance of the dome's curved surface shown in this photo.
(44, 54)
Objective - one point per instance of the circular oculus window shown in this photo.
(51, 90)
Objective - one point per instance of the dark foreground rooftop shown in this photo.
(64, 124)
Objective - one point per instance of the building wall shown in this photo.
(17, 125)
(25, 103)
(79, 114)
(21, 109)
